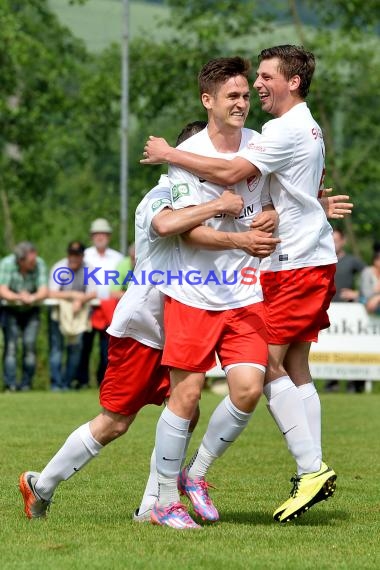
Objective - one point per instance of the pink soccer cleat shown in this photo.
(174, 515)
(197, 491)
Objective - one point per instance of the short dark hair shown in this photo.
(190, 129)
(293, 60)
(340, 232)
(219, 70)
(76, 248)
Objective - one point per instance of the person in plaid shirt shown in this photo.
(23, 284)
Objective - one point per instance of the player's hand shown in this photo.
(335, 207)
(231, 203)
(257, 243)
(155, 150)
(265, 221)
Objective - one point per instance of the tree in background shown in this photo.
(58, 118)
(60, 105)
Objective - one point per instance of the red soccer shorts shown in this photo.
(296, 303)
(193, 335)
(134, 377)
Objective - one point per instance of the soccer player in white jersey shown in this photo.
(298, 278)
(219, 306)
(134, 376)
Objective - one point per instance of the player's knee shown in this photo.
(254, 393)
(247, 397)
(274, 370)
(190, 397)
(118, 427)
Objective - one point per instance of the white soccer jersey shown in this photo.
(139, 313)
(291, 148)
(213, 280)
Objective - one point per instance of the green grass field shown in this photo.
(90, 526)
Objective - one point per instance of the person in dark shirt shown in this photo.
(347, 269)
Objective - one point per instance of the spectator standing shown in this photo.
(126, 265)
(348, 269)
(69, 320)
(102, 258)
(23, 284)
(370, 284)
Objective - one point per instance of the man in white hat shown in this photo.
(102, 258)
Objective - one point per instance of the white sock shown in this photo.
(171, 436)
(151, 490)
(312, 403)
(225, 425)
(188, 438)
(287, 408)
(79, 448)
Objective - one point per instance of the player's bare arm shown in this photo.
(253, 242)
(335, 207)
(218, 170)
(170, 222)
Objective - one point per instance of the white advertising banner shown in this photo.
(348, 350)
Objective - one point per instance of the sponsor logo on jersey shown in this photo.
(253, 182)
(248, 212)
(158, 203)
(179, 190)
(258, 147)
(317, 133)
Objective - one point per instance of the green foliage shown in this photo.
(60, 105)
(348, 14)
(59, 119)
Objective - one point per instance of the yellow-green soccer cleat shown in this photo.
(278, 512)
(308, 490)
